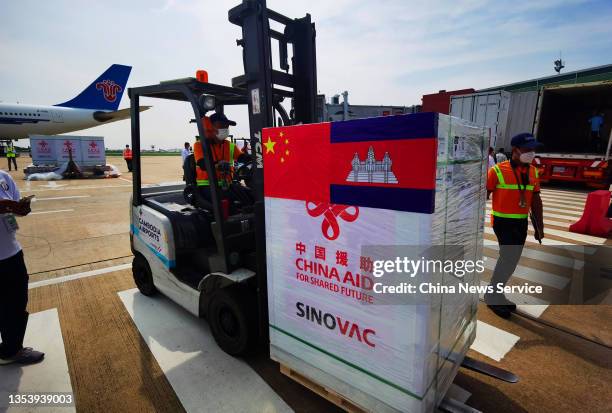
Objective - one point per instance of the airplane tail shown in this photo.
(105, 92)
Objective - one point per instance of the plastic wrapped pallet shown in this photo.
(332, 190)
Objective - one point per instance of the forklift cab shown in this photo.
(210, 257)
(185, 247)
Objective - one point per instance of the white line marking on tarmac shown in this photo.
(561, 216)
(574, 236)
(44, 333)
(126, 180)
(543, 256)
(531, 274)
(556, 222)
(203, 376)
(493, 342)
(574, 248)
(565, 193)
(55, 211)
(565, 197)
(526, 304)
(36, 199)
(545, 241)
(579, 238)
(571, 214)
(85, 274)
(575, 204)
(75, 188)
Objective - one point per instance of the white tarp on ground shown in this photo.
(387, 355)
(57, 174)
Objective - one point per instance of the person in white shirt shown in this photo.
(13, 278)
(185, 152)
(491, 162)
(500, 156)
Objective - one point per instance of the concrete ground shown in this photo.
(76, 244)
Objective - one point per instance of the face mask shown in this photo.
(222, 134)
(527, 157)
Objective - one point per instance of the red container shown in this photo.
(440, 102)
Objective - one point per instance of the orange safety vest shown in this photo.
(502, 182)
(225, 151)
(127, 153)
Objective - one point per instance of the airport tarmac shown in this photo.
(127, 352)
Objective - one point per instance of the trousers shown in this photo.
(13, 160)
(511, 235)
(13, 302)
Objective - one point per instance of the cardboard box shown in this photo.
(332, 191)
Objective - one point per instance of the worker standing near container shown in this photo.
(11, 154)
(127, 156)
(515, 187)
(596, 122)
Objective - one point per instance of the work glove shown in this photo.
(223, 166)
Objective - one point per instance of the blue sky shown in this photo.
(382, 52)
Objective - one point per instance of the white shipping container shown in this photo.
(507, 114)
(55, 150)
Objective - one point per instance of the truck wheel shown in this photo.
(142, 275)
(232, 323)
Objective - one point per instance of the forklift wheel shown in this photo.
(142, 275)
(232, 325)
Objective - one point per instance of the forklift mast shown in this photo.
(298, 82)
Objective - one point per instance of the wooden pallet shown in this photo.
(322, 391)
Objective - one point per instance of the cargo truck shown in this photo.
(562, 125)
(558, 115)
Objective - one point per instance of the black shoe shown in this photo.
(503, 311)
(26, 355)
(499, 300)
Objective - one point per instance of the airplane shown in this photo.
(96, 105)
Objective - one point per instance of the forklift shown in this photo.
(210, 257)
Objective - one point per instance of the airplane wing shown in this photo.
(115, 115)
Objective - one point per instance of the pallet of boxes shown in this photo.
(339, 197)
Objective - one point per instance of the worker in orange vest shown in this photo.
(224, 153)
(127, 155)
(516, 190)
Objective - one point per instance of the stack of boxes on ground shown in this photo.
(51, 154)
(336, 193)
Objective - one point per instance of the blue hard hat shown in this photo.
(220, 117)
(525, 140)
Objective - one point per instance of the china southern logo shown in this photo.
(93, 148)
(44, 147)
(110, 89)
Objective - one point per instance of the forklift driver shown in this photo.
(224, 153)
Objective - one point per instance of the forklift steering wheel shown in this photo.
(244, 172)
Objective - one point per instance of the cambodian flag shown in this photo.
(387, 162)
